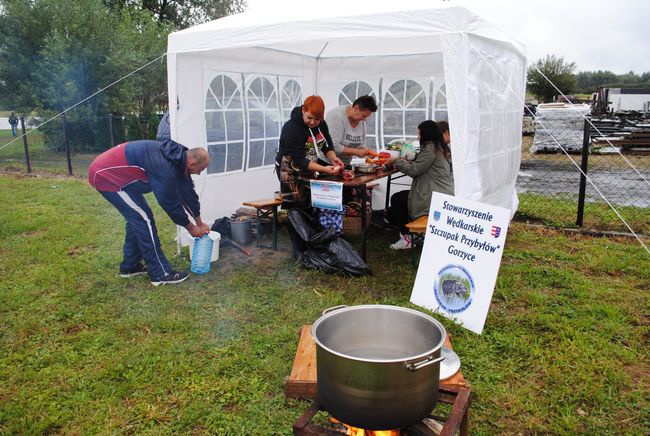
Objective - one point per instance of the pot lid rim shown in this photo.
(406, 359)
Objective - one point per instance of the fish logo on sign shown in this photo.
(436, 215)
(496, 231)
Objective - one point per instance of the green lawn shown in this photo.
(82, 351)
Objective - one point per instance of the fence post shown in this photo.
(65, 143)
(110, 129)
(27, 162)
(586, 136)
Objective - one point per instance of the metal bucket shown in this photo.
(378, 366)
(240, 231)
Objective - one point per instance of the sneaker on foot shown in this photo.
(403, 243)
(135, 271)
(174, 277)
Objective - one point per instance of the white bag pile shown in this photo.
(559, 123)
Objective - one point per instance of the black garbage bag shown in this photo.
(222, 225)
(323, 249)
(308, 228)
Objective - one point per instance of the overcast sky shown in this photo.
(595, 34)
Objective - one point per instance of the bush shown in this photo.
(84, 133)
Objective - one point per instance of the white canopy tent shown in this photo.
(234, 81)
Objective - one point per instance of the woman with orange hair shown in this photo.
(305, 147)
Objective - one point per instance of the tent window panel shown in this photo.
(217, 158)
(290, 97)
(210, 100)
(353, 90)
(271, 148)
(271, 123)
(235, 156)
(256, 124)
(263, 118)
(395, 95)
(223, 93)
(215, 126)
(441, 99)
(257, 154)
(234, 125)
(414, 95)
(411, 121)
(393, 123)
(441, 116)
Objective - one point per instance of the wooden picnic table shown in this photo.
(357, 181)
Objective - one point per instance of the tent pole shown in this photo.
(318, 66)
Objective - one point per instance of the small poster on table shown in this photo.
(327, 194)
(460, 259)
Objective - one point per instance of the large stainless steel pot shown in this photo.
(378, 366)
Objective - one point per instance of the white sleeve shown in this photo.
(336, 125)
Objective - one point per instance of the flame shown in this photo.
(356, 431)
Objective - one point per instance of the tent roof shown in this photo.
(323, 32)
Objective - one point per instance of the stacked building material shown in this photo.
(623, 134)
(559, 125)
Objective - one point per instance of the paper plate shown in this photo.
(451, 364)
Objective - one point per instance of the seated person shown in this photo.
(443, 126)
(305, 146)
(347, 126)
(431, 171)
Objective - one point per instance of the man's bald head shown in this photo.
(198, 159)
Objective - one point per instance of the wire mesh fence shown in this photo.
(69, 142)
(549, 180)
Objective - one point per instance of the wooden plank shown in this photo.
(302, 381)
(263, 204)
(419, 225)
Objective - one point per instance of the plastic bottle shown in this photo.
(201, 255)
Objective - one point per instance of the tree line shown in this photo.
(551, 72)
(55, 53)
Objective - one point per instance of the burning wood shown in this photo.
(355, 431)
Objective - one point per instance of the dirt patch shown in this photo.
(76, 251)
(74, 329)
(35, 233)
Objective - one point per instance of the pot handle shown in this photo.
(331, 309)
(426, 362)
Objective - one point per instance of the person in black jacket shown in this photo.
(13, 120)
(124, 173)
(305, 147)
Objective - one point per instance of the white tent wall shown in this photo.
(483, 73)
(485, 111)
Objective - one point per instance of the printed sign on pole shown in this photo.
(460, 259)
(327, 195)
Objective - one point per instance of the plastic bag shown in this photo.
(408, 151)
(308, 228)
(322, 249)
(222, 225)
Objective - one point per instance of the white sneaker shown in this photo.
(403, 243)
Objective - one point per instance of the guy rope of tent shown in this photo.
(87, 98)
(565, 152)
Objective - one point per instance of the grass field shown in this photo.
(565, 348)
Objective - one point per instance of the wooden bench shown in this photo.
(267, 208)
(416, 229)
